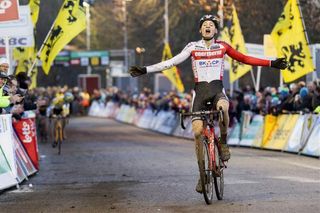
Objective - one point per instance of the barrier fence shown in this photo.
(296, 133)
(18, 150)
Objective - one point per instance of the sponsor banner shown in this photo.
(188, 132)
(269, 124)
(22, 27)
(282, 130)
(109, 108)
(131, 115)
(158, 120)
(145, 119)
(21, 175)
(308, 125)
(137, 116)
(26, 132)
(313, 145)
(169, 123)
(245, 122)
(234, 137)
(95, 109)
(6, 177)
(22, 157)
(123, 113)
(115, 111)
(293, 144)
(92, 58)
(126, 114)
(9, 10)
(6, 142)
(250, 133)
(18, 41)
(257, 142)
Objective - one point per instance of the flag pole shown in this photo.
(253, 79)
(303, 24)
(38, 53)
(258, 78)
(304, 27)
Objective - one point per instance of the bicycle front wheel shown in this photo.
(206, 173)
(60, 139)
(218, 177)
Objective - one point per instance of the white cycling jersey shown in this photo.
(207, 61)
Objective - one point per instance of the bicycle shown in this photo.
(58, 128)
(210, 165)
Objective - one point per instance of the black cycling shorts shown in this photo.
(207, 96)
(57, 111)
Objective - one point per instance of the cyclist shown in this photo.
(60, 105)
(207, 56)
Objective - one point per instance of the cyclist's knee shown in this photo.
(224, 104)
(197, 127)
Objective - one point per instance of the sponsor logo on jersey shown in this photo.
(207, 53)
(209, 63)
(215, 46)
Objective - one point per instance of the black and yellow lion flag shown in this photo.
(232, 34)
(70, 21)
(291, 42)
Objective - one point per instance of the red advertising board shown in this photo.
(9, 10)
(26, 131)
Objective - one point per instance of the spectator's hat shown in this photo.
(3, 75)
(4, 61)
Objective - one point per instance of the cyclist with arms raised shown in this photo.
(207, 56)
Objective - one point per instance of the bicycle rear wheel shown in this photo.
(218, 178)
(205, 173)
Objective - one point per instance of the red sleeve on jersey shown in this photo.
(244, 58)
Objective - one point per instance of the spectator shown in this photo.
(4, 65)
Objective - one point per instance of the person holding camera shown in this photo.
(7, 99)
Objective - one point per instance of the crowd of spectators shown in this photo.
(16, 97)
(295, 97)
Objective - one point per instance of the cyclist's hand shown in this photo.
(279, 63)
(137, 71)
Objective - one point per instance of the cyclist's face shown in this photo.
(208, 29)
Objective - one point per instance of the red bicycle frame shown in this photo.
(209, 133)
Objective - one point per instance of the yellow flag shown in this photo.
(34, 8)
(70, 21)
(172, 73)
(25, 56)
(291, 43)
(232, 34)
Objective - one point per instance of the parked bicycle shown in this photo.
(210, 165)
